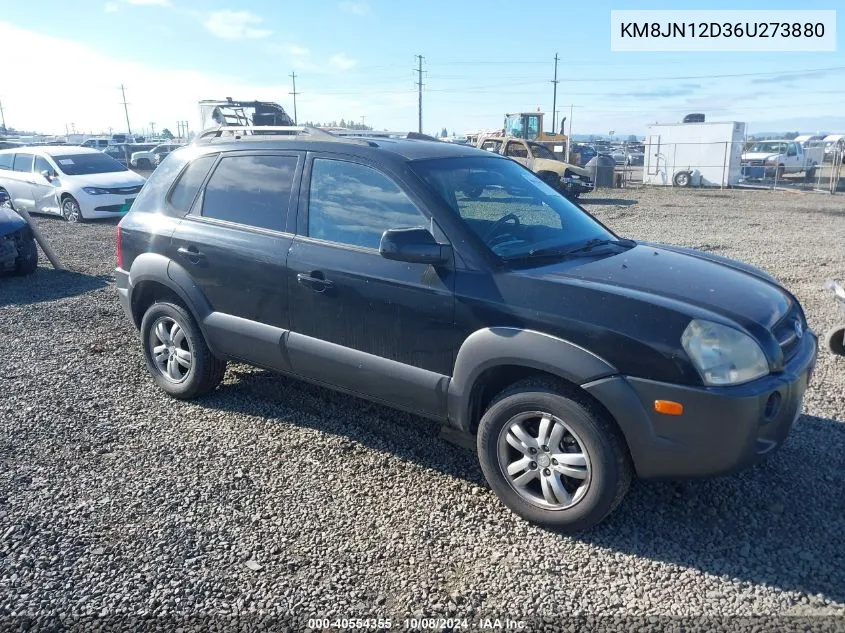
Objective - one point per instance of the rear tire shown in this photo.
(578, 427)
(682, 179)
(204, 371)
(835, 340)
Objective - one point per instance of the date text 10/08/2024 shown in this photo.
(417, 624)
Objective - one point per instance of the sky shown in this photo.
(64, 63)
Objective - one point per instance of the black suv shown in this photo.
(577, 358)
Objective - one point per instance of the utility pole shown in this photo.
(186, 130)
(554, 98)
(294, 93)
(569, 136)
(2, 117)
(125, 109)
(152, 129)
(419, 93)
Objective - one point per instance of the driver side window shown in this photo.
(792, 151)
(354, 204)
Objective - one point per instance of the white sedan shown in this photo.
(77, 183)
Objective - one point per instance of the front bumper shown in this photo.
(758, 172)
(575, 185)
(104, 205)
(722, 429)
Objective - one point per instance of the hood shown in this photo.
(759, 155)
(113, 179)
(558, 166)
(10, 221)
(735, 292)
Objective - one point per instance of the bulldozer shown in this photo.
(529, 126)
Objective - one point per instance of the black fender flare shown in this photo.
(159, 269)
(498, 346)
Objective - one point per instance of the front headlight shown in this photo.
(723, 355)
(95, 191)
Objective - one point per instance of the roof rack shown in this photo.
(238, 132)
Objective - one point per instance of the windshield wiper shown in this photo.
(593, 243)
(555, 252)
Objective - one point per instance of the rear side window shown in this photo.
(186, 188)
(517, 150)
(6, 161)
(23, 162)
(251, 190)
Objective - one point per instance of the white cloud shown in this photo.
(164, 95)
(110, 7)
(355, 8)
(297, 51)
(236, 25)
(342, 62)
(161, 3)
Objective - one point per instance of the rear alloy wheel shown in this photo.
(554, 460)
(176, 353)
(71, 211)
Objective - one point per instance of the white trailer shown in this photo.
(694, 154)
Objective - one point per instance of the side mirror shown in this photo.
(415, 246)
(47, 174)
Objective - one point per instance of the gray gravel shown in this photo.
(274, 497)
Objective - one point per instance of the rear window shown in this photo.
(186, 188)
(251, 190)
(155, 190)
(6, 161)
(23, 162)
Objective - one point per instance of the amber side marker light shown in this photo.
(668, 407)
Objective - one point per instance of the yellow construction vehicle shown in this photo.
(529, 126)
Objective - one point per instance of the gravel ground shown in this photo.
(275, 498)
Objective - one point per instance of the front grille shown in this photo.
(787, 333)
(124, 191)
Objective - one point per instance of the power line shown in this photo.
(554, 98)
(419, 92)
(294, 93)
(125, 109)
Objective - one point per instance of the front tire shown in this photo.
(682, 179)
(71, 211)
(176, 353)
(553, 457)
(27, 261)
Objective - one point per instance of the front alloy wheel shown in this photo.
(70, 210)
(553, 456)
(544, 460)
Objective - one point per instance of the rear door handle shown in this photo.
(314, 282)
(191, 253)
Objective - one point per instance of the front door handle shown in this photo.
(191, 253)
(315, 281)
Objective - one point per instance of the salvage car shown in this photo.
(74, 182)
(18, 251)
(574, 357)
(570, 180)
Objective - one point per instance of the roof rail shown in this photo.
(237, 132)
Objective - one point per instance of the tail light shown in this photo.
(119, 248)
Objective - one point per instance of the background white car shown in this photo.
(149, 159)
(75, 182)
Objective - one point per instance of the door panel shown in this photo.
(394, 321)
(43, 191)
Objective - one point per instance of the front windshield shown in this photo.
(769, 147)
(82, 164)
(509, 208)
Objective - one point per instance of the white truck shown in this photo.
(766, 159)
